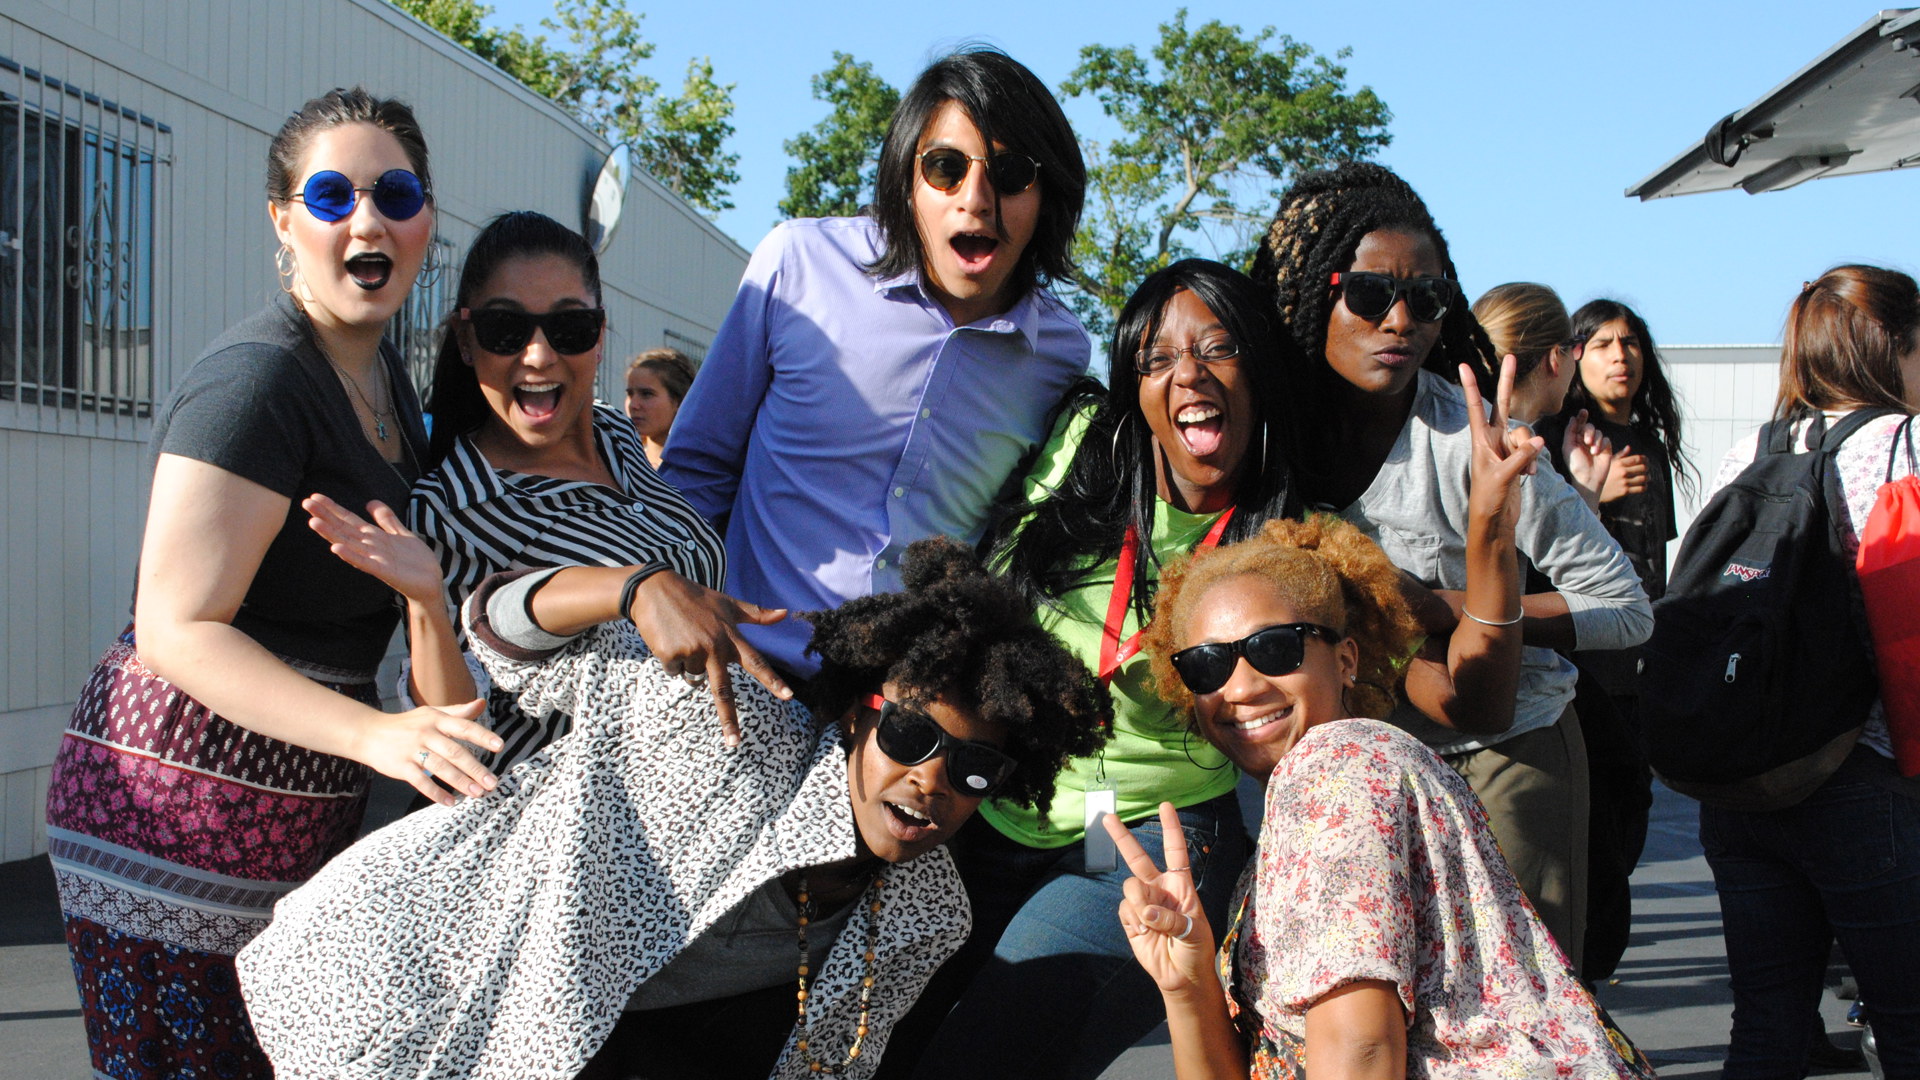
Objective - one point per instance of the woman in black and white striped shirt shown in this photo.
(525, 470)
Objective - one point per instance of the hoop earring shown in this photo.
(1186, 748)
(1114, 454)
(286, 267)
(430, 268)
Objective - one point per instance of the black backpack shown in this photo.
(1759, 674)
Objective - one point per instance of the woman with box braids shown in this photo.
(1361, 277)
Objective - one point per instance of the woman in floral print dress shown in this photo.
(1378, 932)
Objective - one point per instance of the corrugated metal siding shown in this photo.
(1725, 392)
(223, 74)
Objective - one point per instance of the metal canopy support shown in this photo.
(1854, 109)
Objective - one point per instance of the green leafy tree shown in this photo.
(597, 77)
(838, 158)
(1213, 129)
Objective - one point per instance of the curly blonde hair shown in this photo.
(1329, 572)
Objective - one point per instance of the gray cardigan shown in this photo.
(1416, 510)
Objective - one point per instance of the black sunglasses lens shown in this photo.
(1368, 295)
(944, 169)
(1428, 298)
(907, 738)
(1011, 173)
(1204, 668)
(977, 770)
(502, 333)
(328, 195)
(398, 195)
(572, 332)
(1276, 650)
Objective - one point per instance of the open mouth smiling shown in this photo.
(370, 270)
(974, 250)
(537, 400)
(1201, 429)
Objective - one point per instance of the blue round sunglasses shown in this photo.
(330, 196)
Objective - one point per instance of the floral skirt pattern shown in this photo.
(172, 833)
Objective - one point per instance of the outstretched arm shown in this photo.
(1172, 941)
(1473, 690)
(207, 531)
(693, 630)
(387, 550)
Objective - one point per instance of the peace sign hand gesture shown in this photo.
(1501, 454)
(1161, 913)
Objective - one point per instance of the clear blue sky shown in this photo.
(1521, 125)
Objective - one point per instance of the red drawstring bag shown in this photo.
(1889, 569)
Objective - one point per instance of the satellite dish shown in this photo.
(609, 193)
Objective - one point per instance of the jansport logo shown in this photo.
(1748, 574)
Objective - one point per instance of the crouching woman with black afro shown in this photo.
(641, 897)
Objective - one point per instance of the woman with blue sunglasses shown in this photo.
(220, 758)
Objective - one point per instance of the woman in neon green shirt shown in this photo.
(1187, 446)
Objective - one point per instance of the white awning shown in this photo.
(1854, 109)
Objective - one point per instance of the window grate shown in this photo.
(694, 350)
(417, 327)
(80, 180)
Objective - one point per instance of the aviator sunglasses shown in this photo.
(1276, 650)
(909, 738)
(1371, 296)
(945, 168)
(504, 332)
(331, 197)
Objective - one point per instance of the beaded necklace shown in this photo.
(805, 905)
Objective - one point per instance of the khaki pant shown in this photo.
(1534, 787)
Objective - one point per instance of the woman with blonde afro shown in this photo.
(1378, 932)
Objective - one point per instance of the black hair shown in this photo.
(333, 109)
(966, 637)
(1010, 106)
(1655, 412)
(454, 399)
(1314, 235)
(1050, 546)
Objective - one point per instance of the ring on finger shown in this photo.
(421, 757)
(1188, 932)
(695, 679)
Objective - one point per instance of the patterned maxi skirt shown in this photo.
(173, 832)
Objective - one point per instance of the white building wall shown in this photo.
(1725, 391)
(223, 75)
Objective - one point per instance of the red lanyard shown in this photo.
(1113, 651)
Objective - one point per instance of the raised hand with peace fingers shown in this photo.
(1161, 912)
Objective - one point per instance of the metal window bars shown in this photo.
(81, 179)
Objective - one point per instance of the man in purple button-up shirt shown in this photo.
(878, 377)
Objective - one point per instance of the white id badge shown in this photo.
(1101, 855)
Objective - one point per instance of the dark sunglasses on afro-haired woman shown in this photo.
(504, 332)
(1274, 650)
(1371, 296)
(909, 738)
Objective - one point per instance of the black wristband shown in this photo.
(633, 585)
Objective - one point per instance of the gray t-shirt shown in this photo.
(1416, 510)
(264, 404)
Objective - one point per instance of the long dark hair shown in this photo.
(454, 399)
(1010, 106)
(1052, 545)
(1655, 412)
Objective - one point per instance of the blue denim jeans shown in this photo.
(1047, 986)
(1844, 864)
